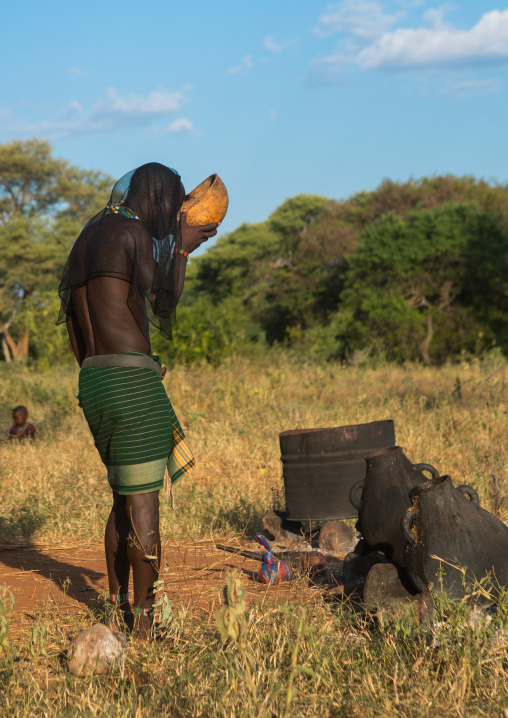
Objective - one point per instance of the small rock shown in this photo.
(94, 650)
(278, 528)
(384, 584)
(362, 548)
(336, 537)
(336, 570)
(314, 559)
(314, 563)
(342, 590)
(356, 567)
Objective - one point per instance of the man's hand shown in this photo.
(193, 237)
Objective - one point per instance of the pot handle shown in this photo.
(469, 491)
(428, 467)
(405, 523)
(355, 494)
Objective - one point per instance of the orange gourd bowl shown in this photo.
(207, 203)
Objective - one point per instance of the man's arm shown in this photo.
(178, 267)
(76, 338)
(188, 239)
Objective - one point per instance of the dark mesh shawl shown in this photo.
(110, 245)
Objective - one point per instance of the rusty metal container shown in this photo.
(321, 465)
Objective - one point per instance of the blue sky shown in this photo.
(278, 97)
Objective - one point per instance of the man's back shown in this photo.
(109, 314)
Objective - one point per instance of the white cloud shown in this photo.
(157, 103)
(180, 125)
(73, 109)
(434, 17)
(411, 3)
(76, 72)
(245, 64)
(435, 44)
(327, 71)
(111, 112)
(271, 44)
(361, 18)
(272, 115)
(439, 44)
(472, 88)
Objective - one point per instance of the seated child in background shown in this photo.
(21, 429)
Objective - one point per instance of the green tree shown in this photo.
(233, 265)
(294, 215)
(210, 332)
(415, 287)
(263, 266)
(44, 202)
(289, 273)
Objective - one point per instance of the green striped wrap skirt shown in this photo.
(134, 426)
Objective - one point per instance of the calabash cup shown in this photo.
(207, 203)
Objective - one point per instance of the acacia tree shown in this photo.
(44, 201)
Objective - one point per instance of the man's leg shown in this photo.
(115, 542)
(144, 540)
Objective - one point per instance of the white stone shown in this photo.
(94, 650)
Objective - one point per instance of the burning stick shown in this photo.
(240, 552)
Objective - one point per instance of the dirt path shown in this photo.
(74, 576)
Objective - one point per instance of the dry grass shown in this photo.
(338, 662)
(455, 418)
(314, 661)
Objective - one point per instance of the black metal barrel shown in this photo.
(321, 465)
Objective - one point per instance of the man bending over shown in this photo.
(126, 267)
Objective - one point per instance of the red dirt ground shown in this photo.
(75, 575)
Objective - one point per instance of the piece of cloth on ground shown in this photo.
(134, 426)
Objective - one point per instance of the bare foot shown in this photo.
(141, 629)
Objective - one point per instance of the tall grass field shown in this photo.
(295, 659)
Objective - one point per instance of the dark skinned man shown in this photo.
(128, 267)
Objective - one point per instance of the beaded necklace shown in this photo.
(121, 209)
